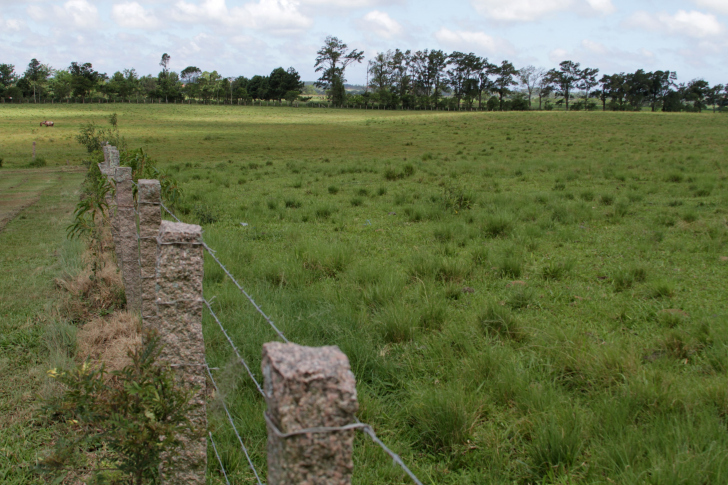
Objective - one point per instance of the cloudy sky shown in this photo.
(246, 37)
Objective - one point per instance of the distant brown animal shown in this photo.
(46, 123)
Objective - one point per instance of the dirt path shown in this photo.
(20, 189)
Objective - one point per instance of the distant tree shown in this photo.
(190, 74)
(545, 87)
(715, 95)
(530, 77)
(660, 83)
(380, 71)
(37, 75)
(637, 88)
(485, 84)
(588, 82)
(332, 61)
(565, 79)
(462, 74)
(258, 87)
(60, 84)
(505, 78)
(164, 63)
(603, 93)
(696, 91)
(84, 79)
(281, 82)
(7, 75)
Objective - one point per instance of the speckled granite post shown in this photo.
(149, 201)
(179, 310)
(127, 248)
(309, 387)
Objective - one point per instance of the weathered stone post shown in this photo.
(127, 247)
(179, 309)
(149, 200)
(307, 388)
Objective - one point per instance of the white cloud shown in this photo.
(604, 7)
(131, 15)
(380, 24)
(530, 10)
(692, 24)
(720, 6)
(273, 16)
(473, 41)
(80, 13)
(609, 59)
(77, 13)
(350, 3)
(11, 25)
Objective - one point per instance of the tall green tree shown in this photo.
(282, 82)
(37, 75)
(565, 79)
(84, 79)
(7, 77)
(505, 78)
(331, 61)
(588, 82)
(60, 84)
(660, 84)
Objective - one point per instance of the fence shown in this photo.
(310, 393)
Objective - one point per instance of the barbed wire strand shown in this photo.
(235, 429)
(170, 212)
(242, 290)
(367, 429)
(211, 252)
(245, 364)
(222, 468)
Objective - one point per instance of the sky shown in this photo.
(247, 37)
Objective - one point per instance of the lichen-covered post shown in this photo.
(149, 202)
(308, 388)
(127, 247)
(179, 326)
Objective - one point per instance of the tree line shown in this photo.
(424, 79)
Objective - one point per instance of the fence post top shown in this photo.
(122, 174)
(179, 233)
(149, 189)
(305, 378)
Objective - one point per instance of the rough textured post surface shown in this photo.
(149, 201)
(306, 388)
(127, 247)
(179, 310)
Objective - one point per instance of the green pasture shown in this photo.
(524, 297)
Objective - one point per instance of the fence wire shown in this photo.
(359, 425)
(235, 349)
(222, 467)
(235, 429)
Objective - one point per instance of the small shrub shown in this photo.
(626, 278)
(427, 156)
(293, 204)
(362, 192)
(689, 216)
(409, 170)
(1, 162)
(606, 199)
(324, 212)
(508, 265)
(272, 204)
(390, 174)
(382, 191)
(441, 419)
(333, 189)
(253, 166)
(356, 201)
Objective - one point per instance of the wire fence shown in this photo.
(358, 425)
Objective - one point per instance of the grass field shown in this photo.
(524, 297)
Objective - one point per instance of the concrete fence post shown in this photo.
(127, 248)
(308, 388)
(149, 200)
(179, 308)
